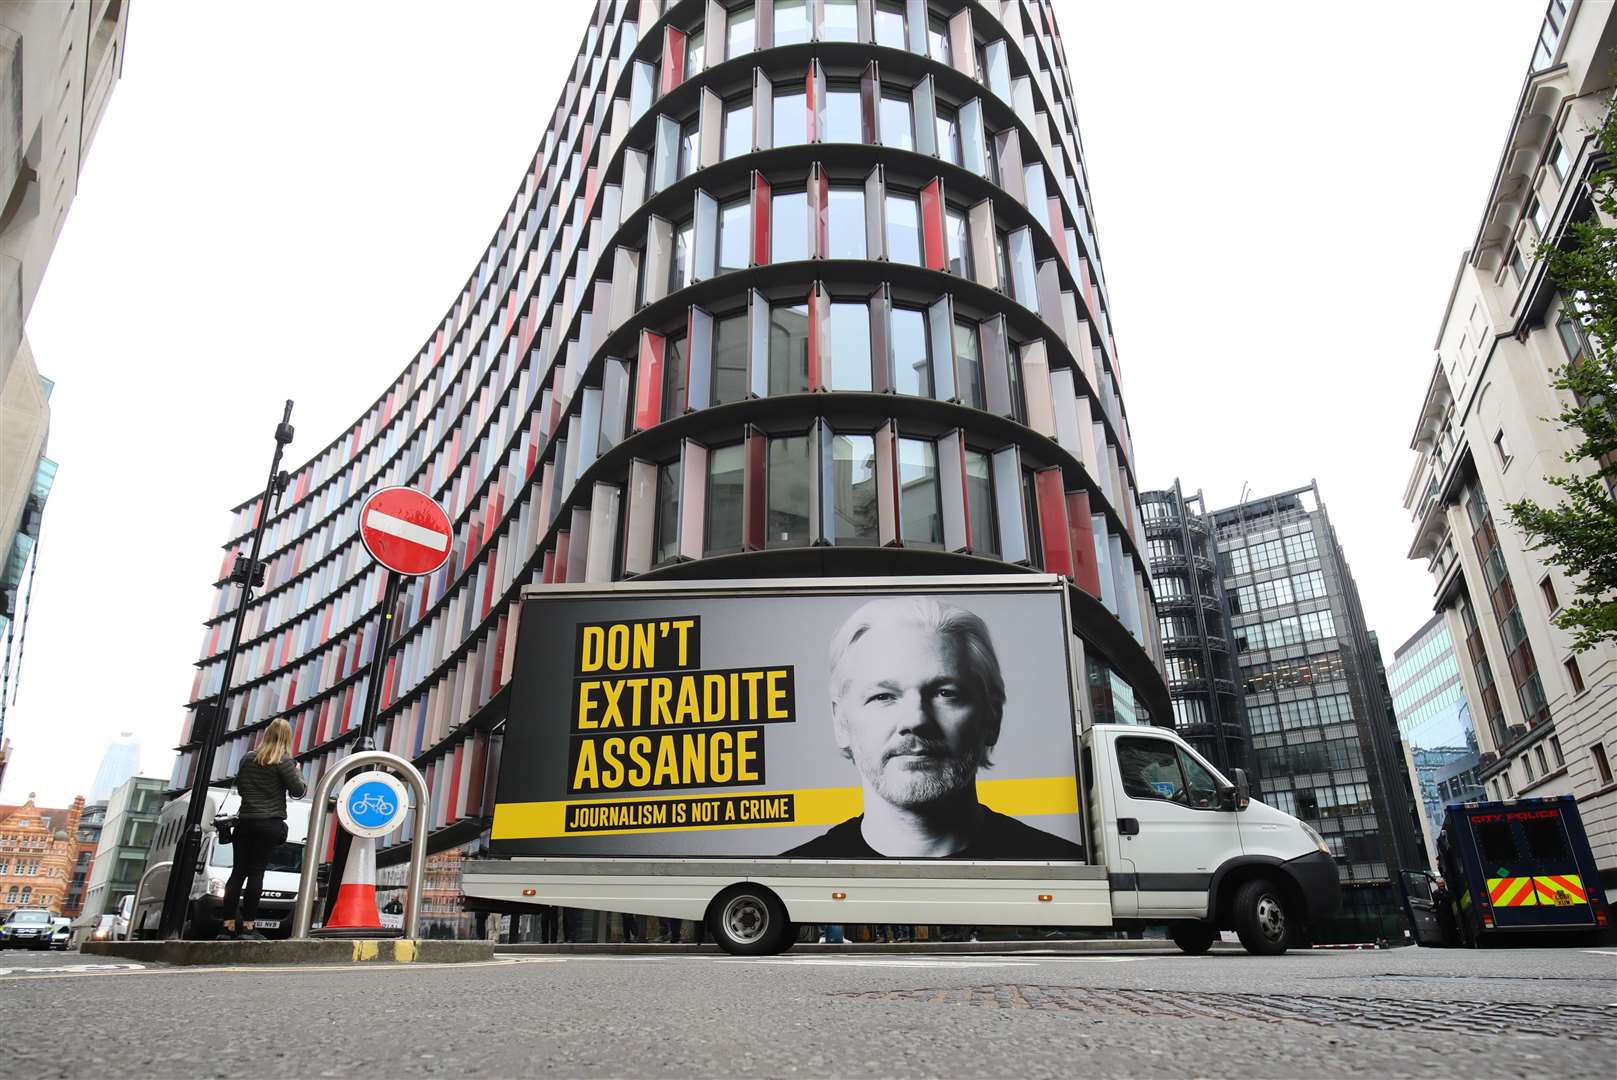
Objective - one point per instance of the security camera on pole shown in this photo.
(408, 533)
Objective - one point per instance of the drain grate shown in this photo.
(1458, 1017)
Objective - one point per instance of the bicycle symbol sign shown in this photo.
(372, 804)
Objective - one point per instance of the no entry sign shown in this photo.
(405, 531)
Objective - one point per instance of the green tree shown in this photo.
(1579, 534)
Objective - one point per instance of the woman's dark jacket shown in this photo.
(263, 788)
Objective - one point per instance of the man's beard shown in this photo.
(909, 788)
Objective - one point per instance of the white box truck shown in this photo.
(764, 753)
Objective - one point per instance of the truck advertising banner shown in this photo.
(808, 724)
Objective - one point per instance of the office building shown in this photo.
(126, 834)
(1193, 621)
(791, 288)
(1545, 716)
(58, 64)
(88, 836)
(1325, 746)
(1434, 722)
(119, 762)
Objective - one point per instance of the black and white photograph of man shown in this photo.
(917, 705)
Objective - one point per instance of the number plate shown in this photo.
(1563, 900)
(266, 924)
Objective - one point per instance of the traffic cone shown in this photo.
(356, 896)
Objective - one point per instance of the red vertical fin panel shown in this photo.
(819, 195)
(752, 486)
(648, 389)
(819, 336)
(673, 70)
(1085, 571)
(1054, 536)
(760, 220)
(933, 250)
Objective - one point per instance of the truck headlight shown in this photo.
(216, 887)
(1313, 834)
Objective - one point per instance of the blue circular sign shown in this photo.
(372, 804)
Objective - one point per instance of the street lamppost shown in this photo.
(247, 573)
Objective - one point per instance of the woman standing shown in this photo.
(263, 781)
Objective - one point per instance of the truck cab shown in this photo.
(1185, 846)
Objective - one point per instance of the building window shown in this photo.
(674, 378)
(688, 136)
(791, 21)
(948, 128)
(1559, 161)
(937, 39)
(1571, 337)
(957, 240)
(740, 31)
(897, 126)
(788, 227)
(791, 119)
(1527, 769)
(1543, 763)
(1510, 789)
(726, 469)
(735, 234)
(1602, 764)
(1555, 749)
(890, 24)
(910, 356)
(1030, 518)
(903, 228)
(788, 349)
(839, 20)
(1535, 214)
(845, 225)
(853, 489)
(1517, 267)
(842, 116)
(919, 506)
(695, 53)
(665, 539)
(789, 493)
(730, 359)
(680, 264)
(850, 347)
(737, 129)
(980, 503)
(1501, 449)
(1573, 675)
(1547, 588)
(968, 365)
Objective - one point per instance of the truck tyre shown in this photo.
(1263, 917)
(749, 920)
(1193, 936)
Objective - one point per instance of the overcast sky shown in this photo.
(284, 208)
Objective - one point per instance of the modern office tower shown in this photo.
(1434, 721)
(1545, 716)
(119, 762)
(58, 63)
(1325, 746)
(126, 834)
(790, 288)
(1193, 621)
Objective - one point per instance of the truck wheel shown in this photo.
(1193, 937)
(749, 920)
(1263, 917)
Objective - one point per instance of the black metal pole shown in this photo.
(212, 715)
(367, 728)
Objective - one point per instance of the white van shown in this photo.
(204, 914)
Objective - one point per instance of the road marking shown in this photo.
(68, 970)
(869, 961)
(1601, 952)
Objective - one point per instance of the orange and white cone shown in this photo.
(356, 896)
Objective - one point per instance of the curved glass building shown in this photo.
(792, 287)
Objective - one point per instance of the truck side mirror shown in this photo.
(1238, 795)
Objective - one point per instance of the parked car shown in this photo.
(61, 933)
(27, 928)
(106, 928)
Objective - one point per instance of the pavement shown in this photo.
(1145, 1012)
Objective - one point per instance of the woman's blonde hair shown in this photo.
(276, 745)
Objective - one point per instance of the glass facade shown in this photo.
(661, 259)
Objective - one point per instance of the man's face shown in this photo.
(911, 715)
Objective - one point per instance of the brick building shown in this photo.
(38, 849)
